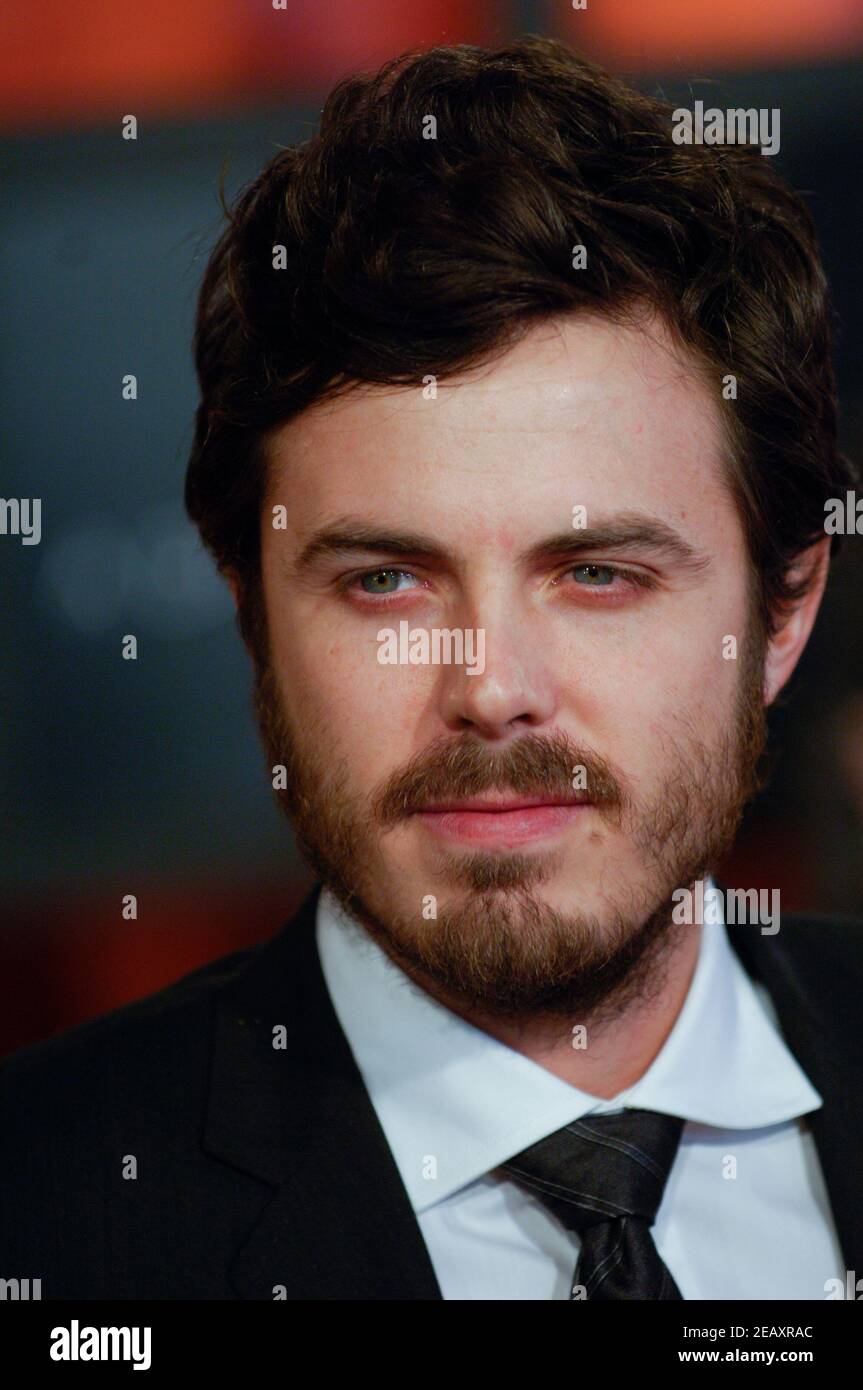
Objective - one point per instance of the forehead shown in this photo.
(581, 410)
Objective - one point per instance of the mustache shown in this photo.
(549, 765)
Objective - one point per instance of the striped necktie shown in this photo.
(603, 1176)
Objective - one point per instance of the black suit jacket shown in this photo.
(260, 1168)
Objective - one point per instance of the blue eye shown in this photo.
(598, 576)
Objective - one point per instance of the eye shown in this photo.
(596, 576)
(616, 582)
(379, 582)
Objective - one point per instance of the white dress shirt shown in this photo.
(745, 1213)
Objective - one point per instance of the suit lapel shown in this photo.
(812, 974)
(339, 1224)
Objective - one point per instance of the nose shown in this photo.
(514, 691)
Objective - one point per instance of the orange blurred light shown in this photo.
(728, 33)
(72, 60)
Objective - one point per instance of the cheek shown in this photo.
(365, 712)
(640, 702)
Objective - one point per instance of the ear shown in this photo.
(786, 647)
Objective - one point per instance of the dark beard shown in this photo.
(502, 953)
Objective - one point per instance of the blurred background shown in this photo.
(146, 777)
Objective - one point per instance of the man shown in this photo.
(516, 433)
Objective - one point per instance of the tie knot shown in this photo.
(602, 1167)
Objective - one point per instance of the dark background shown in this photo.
(146, 776)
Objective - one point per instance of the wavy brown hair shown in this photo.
(409, 256)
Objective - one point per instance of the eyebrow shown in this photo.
(626, 531)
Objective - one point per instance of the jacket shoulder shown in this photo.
(107, 1189)
(167, 1012)
(837, 940)
(812, 965)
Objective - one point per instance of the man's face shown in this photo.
(568, 501)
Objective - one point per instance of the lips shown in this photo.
(504, 822)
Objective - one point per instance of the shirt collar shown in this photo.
(455, 1102)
